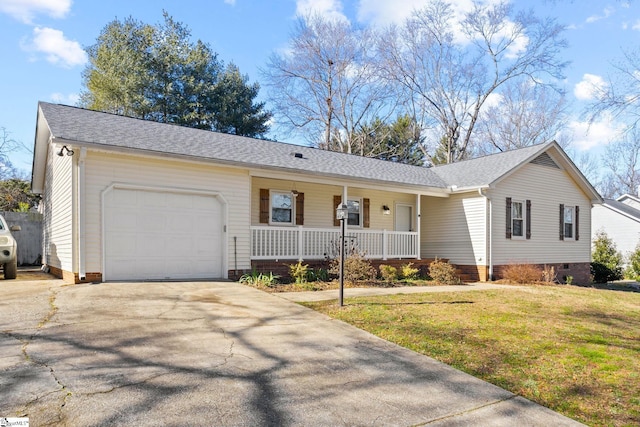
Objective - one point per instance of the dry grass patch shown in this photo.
(574, 350)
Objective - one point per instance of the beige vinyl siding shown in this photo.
(57, 213)
(454, 228)
(624, 231)
(103, 170)
(547, 188)
(318, 202)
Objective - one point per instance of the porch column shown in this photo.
(418, 209)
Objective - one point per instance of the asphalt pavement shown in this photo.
(223, 354)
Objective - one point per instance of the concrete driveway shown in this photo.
(204, 354)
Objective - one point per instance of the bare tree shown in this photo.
(450, 68)
(524, 114)
(622, 162)
(8, 145)
(620, 95)
(325, 86)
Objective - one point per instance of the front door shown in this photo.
(404, 218)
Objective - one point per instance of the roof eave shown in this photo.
(417, 188)
(40, 148)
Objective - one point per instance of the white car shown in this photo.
(8, 249)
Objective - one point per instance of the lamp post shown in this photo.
(342, 213)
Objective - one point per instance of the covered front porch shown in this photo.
(293, 218)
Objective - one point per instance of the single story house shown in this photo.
(620, 220)
(129, 199)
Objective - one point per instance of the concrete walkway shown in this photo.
(208, 353)
(362, 292)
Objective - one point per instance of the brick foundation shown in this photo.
(580, 271)
(70, 277)
(473, 273)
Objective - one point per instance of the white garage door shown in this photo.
(156, 235)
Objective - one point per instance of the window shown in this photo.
(353, 207)
(358, 211)
(282, 208)
(569, 222)
(517, 219)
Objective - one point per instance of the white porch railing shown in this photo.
(316, 243)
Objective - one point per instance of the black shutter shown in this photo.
(528, 219)
(508, 231)
(561, 222)
(577, 222)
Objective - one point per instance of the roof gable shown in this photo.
(489, 170)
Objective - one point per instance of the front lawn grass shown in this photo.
(574, 350)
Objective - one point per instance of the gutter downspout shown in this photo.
(489, 241)
(82, 273)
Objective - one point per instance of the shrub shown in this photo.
(606, 262)
(298, 272)
(443, 273)
(522, 273)
(317, 275)
(601, 273)
(259, 279)
(389, 273)
(409, 272)
(549, 274)
(633, 270)
(356, 268)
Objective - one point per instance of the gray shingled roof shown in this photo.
(488, 169)
(627, 210)
(94, 128)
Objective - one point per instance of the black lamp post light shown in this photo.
(342, 213)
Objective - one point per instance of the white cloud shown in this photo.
(231, 2)
(70, 99)
(25, 10)
(384, 12)
(590, 85)
(493, 100)
(586, 136)
(331, 9)
(636, 25)
(57, 49)
(605, 14)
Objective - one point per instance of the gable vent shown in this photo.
(545, 160)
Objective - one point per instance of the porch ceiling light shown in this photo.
(63, 149)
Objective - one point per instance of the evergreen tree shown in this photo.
(157, 73)
(606, 261)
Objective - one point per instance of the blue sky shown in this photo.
(41, 45)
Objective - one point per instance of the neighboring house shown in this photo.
(620, 219)
(127, 199)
